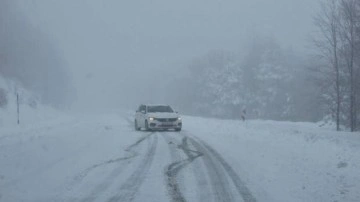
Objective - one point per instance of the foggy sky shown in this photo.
(119, 52)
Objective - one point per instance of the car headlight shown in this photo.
(151, 118)
(179, 118)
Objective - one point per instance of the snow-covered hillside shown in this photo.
(100, 157)
(30, 108)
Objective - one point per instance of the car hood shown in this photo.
(163, 115)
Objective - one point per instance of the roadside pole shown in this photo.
(18, 110)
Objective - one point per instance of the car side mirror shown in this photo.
(142, 111)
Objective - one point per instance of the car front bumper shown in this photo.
(158, 125)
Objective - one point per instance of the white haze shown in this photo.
(123, 52)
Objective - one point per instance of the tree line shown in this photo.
(266, 80)
(272, 82)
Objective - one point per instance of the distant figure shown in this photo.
(243, 114)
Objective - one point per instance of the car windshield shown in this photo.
(159, 109)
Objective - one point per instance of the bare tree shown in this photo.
(328, 22)
(349, 22)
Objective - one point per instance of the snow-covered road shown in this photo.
(102, 158)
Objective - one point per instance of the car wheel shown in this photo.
(177, 129)
(147, 125)
(136, 125)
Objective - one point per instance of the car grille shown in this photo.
(166, 120)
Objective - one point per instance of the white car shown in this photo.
(157, 117)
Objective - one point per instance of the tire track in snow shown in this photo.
(172, 170)
(238, 183)
(133, 154)
(202, 182)
(172, 183)
(108, 181)
(131, 186)
(217, 174)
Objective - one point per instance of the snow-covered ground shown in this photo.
(100, 157)
(288, 161)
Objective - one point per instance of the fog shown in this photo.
(123, 53)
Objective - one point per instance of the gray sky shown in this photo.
(119, 49)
